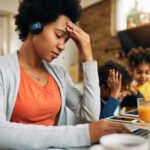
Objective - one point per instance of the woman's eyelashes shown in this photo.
(59, 36)
(62, 36)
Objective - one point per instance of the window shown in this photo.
(129, 13)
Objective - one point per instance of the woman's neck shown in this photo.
(28, 56)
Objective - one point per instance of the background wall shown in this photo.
(9, 8)
(87, 3)
(96, 21)
(9, 5)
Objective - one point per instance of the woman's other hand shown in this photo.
(104, 127)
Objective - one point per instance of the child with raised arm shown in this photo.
(114, 83)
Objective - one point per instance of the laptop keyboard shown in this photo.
(141, 132)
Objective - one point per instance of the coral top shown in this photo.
(36, 104)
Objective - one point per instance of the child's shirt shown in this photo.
(112, 106)
(144, 89)
(108, 108)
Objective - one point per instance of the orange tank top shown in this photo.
(36, 104)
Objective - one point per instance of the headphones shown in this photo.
(36, 27)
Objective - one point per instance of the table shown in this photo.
(131, 127)
(76, 148)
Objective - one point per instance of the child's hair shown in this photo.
(44, 11)
(138, 56)
(103, 72)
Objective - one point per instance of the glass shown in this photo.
(144, 110)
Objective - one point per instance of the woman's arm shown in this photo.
(86, 105)
(22, 136)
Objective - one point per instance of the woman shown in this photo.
(34, 93)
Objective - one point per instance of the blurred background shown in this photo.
(115, 26)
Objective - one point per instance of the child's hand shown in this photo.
(114, 83)
(132, 90)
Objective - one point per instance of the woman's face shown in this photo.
(51, 41)
(141, 74)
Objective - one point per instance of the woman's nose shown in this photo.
(61, 46)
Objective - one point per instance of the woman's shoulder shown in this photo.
(54, 67)
(58, 70)
(8, 57)
(9, 60)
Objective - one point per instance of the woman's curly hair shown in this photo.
(138, 56)
(44, 11)
(103, 73)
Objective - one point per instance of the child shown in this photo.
(139, 68)
(114, 83)
(139, 65)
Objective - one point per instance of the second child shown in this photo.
(114, 84)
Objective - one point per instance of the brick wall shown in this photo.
(95, 20)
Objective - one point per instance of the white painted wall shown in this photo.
(87, 3)
(9, 5)
(69, 56)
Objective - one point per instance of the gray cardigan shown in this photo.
(85, 106)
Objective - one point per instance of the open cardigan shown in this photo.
(85, 106)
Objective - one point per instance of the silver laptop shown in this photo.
(139, 130)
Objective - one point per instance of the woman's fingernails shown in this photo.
(69, 23)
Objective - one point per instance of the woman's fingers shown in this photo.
(120, 128)
(82, 40)
(73, 27)
(104, 127)
(73, 30)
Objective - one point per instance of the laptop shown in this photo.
(142, 132)
(136, 130)
(139, 130)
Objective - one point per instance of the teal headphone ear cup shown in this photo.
(36, 27)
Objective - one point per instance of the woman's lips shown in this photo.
(55, 54)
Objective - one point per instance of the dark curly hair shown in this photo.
(138, 56)
(44, 11)
(103, 73)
